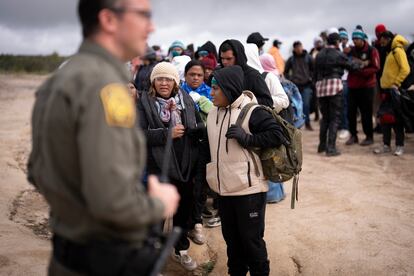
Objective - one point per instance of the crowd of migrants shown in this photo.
(198, 93)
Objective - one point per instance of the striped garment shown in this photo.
(328, 87)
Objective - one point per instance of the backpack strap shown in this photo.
(295, 191)
(239, 122)
(243, 113)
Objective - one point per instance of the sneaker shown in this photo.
(352, 140)
(383, 149)
(321, 148)
(308, 127)
(331, 153)
(344, 134)
(274, 201)
(367, 142)
(214, 222)
(196, 235)
(185, 260)
(399, 151)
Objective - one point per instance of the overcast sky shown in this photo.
(46, 26)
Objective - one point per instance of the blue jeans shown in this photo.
(344, 118)
(306, 94)
(276, 192)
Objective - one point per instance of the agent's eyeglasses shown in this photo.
(144, 13)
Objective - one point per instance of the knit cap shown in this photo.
(379, 29)
(358, 34)
(165, 69)
(317, 39)
(209, 62)
(332, 31)
(178, 44)
(343, 34)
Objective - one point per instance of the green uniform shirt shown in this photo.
(88, 155)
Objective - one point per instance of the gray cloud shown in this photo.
(23, 14)
(52, 25)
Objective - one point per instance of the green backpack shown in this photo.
(284, 162)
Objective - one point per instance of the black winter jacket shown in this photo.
(299, 69)
(266, 132)
(330, 64)
(253, 80)
(142, 79)
(184, 152)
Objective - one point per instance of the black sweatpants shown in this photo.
(183, 214)
(398, 127)
(200, 184)
(243, 225)
(331, 109)
(362, 99)
(399, 134)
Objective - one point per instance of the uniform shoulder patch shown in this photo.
(118, 106)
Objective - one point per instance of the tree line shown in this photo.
(30, 64)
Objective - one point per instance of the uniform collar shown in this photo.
(92, 47)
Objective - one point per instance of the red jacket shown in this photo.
(364, 78)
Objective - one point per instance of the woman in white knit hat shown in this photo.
(165, 106)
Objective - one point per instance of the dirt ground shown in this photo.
(355, 214)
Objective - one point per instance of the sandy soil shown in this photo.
(355, 214)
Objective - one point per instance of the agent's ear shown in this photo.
(108, 21)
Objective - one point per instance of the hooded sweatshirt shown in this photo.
(209, 47)
(253, 81)
(279, 97)
(231, 171)
(180, 62)
(299, 69)
(396, 67)
(366, 77)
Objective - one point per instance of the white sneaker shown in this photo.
(383, 149)
(196, 235)
(185, 260)
(344, 134)
(399, 151)
(214, 222)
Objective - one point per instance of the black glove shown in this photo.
(238, 133)
(198, 132)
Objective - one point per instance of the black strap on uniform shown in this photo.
(69, 254)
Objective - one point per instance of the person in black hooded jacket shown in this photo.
(208, 47)
(241, 186)
(329, 68)
(231, 52)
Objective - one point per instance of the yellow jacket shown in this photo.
(396, 67)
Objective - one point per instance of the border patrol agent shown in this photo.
(88, 155)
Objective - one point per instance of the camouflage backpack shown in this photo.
(282, 163)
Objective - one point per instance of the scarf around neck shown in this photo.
(170, 109)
